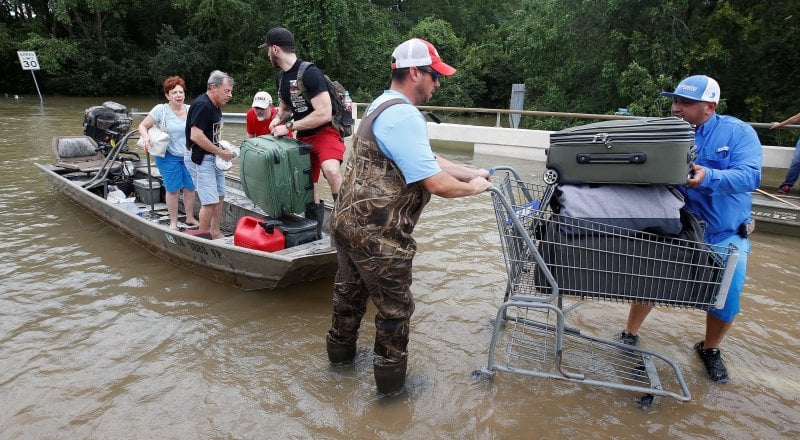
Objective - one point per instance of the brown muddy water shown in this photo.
(100, 339)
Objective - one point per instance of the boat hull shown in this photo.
(218, 260)
(773, 215)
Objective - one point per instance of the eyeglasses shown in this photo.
(434, 74)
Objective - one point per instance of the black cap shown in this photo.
(278, 37)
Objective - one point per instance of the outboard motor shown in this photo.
(106, 122)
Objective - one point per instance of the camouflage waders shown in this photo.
(372, 224)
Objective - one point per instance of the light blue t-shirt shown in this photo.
(402, 135)
(175, 126)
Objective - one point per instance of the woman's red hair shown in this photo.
(173, 81)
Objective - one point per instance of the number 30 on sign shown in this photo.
(28, 60)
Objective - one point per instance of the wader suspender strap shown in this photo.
(365, 127)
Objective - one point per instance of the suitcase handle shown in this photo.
(299, 177)
(632, 158)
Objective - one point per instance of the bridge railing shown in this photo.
(532, 144)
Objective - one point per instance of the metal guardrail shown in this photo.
(499, 112)
(239, 118)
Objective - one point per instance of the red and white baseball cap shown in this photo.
(418, 52)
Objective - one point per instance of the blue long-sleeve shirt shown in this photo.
(730, 151)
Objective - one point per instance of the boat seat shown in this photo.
(79, 153)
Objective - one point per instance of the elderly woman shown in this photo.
(172, 117)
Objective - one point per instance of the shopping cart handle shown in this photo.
(503, 168)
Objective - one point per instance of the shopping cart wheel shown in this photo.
(550, 176)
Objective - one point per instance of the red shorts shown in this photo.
(325, 144)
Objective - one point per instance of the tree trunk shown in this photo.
(98, 28)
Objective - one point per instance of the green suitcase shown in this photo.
(276, 174)
(631, 151)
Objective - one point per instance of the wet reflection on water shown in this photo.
(102, 340)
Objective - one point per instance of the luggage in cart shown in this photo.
(276, 174)
(551, 258)
(647, 151)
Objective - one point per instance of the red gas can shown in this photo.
(251, 234)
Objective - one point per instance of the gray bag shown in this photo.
(651, 208)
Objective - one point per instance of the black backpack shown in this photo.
(342, 119)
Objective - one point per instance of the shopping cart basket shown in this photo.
(549, 256)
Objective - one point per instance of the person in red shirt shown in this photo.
(260, 115)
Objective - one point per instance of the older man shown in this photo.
(260, 115)
(389, 178)
(727, 169)
(203, 134)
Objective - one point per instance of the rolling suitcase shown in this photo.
(637, 151)
(276, 174)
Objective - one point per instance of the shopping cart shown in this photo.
(553, 259)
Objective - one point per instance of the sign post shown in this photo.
(28, 61)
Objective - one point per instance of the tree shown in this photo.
(185, 57)
(572, 55)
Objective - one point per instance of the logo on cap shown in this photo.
(262, 100)
(697, 88)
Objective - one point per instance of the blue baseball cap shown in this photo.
(697, 88)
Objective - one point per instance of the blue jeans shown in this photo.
(794, 168)
(209, 181)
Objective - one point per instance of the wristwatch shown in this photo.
(290, 124)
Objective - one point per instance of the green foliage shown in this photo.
(365, 67)
(449, 45)
(350, 40)
(185, 57)
(95, 71)
(229, 30)
(54, 54)
(572, 55)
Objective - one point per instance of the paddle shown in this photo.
(777, 198)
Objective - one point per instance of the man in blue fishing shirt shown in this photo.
(724, 173)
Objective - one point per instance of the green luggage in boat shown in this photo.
(637, 151)
(276, 174)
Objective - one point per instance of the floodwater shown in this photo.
(99, 339)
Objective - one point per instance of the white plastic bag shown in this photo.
(118, 196)
(222, 164)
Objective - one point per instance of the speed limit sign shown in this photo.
(27, 59)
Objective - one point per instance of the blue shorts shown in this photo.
(731, 308)
(209, 181)
(174, 173)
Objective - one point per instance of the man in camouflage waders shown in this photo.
(389, 177)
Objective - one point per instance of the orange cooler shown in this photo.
(251, 234)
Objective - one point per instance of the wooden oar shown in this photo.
(777, 198)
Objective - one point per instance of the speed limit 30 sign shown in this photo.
(27, 59)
